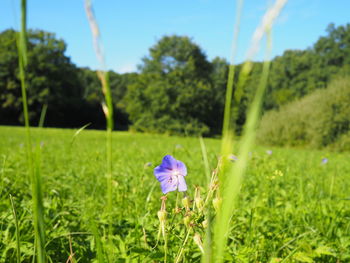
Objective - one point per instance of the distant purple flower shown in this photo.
(269, 152)
(171, 174)
(233, 158)
(146, 165)
(324, 160)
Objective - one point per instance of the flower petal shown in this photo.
(182, 186)
(181, 167)
(169, 162)
(168, 186)
(162, 173)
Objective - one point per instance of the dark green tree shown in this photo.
(94, 97)
(51, 79)
(173, 93)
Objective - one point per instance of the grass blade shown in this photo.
(231, 176)
(18, 244)
(42, 116)
(107, 107)
(32, 162)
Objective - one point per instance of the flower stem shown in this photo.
(179, 255)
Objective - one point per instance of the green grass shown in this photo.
(301, 216)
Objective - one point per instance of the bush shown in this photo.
(318, 120)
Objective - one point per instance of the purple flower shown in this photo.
(269, 152)
(233, 158)
(171, 174)
(325, 160)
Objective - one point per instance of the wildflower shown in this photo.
(146, 165)
(233, 158)
(171, 175)
(269, 152)
(324, 160)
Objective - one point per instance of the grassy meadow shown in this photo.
(292, 206)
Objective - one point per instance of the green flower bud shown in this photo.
(197, 239)
(162, 216)
(205, 223)
(186, 203)
(217, 203)
(187, 221)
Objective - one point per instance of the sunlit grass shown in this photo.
(33, 158)
(300, 209)
(231, 175)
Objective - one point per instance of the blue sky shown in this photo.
(130, 27)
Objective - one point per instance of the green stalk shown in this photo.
(18, 244)
(42, 116)
(108, 111)
(205, 159)
(227, 133)
(229, 88)
(233, 176)
(32, 163)
(179, 255)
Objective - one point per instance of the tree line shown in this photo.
(176, 90)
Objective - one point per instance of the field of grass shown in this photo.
(292, 207)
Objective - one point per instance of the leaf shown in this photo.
(324, 250)
(300, 256)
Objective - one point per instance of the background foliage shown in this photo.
(318, 120)
(176, 90)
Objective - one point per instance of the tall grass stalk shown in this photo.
(107, 107)
(18, 242)
(42, 116)
(32, 161)
(205, 159)
(231, 176)
(229, 88)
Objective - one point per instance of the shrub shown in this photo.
(318, 120)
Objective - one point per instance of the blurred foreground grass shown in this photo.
(292, 207)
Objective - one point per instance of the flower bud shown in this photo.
(198, 200)
(162, 216)
(217, 203)
(197, 239)
(205, 223)
(187, 221)
(186, 203)
(199, 203)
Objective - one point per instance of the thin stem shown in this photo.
(33, 168)
(178, 257)
(229, 87)
(108, 111)
(17, 231)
